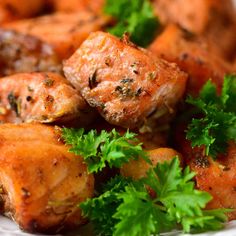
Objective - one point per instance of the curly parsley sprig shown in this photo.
(217, 125)
(104, 149)
(125, 206)
(135, 17)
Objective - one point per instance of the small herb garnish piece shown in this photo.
(15, 103)
(135, 17)
(48, 82)
(93, 80)
(125, 206)
(104, 149)
(217, 123)
(101, 209)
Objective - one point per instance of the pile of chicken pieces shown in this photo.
(59, 67)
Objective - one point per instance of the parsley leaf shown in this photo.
(135, 17)
(138, 214)
(104, 149)
(100, 209)
(228, 96)
(125, 207)
(217, 124)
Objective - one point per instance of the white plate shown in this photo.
(9, 228)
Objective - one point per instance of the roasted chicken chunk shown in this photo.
(41, 97)
(14, 9)
(63, 31)
(193, 55)
(24, 53)
(125, 83)
(41, 182)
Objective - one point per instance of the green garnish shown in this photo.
(125, 206)
(217, 125)
(104, 149)
(101, 209)
(135, 17)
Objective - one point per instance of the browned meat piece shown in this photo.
(16, 9)
(41, 97)
(63, 31)
(221, 29)
(125, 83)
(192, 15)
(151, 139)
(78, 5)
(193, 56)
(24, 53)
(41, 182)
(218, 177)
(214, 19)
(137, 169)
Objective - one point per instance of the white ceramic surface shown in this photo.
(9, 228)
